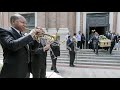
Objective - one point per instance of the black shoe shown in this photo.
(56, 71)
(51, 68)
(96, 53)
(72, 65)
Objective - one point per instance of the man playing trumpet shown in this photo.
(15, 50)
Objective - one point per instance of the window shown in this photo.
(30, 17)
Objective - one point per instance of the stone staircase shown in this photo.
(85, 57)
(88, 57)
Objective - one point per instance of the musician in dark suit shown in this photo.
(54, 53)
(38, 58)
(71, 49)
(15, 50)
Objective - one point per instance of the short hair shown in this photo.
(68, 36)
(14, 18)
(74, 33)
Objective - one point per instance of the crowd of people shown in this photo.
(94, 41)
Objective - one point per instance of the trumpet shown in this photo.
(48, 38)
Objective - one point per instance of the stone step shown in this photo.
(117, 53)
(88, 63)
(88, 60)
(83, 57)
(88, 51)
(89, 55)
(86, 57)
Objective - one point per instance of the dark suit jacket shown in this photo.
(15, 53)
(38, 56)
(55, 48)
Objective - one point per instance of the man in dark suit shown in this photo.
(71, 49)
(15, 50)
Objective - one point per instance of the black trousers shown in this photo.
(82, 44)
(95, 48)
(54, 63)
(38, 69)
(112, 46)
(90, 45)
(72, 57)
(79, 45)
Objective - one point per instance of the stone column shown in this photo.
(41, 20)
(114, 21)
(72, 22)
(118, 23)
(111, 21)
(36, 19)
(5, 20)
(52, 22)
(78, 22)
(84, 23)
(63, 28)
(1, 19)
(81, 22)
(46, 21)
(57, 21)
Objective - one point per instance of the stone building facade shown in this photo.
(64, 22)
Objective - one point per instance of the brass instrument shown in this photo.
(48, 38)
(51, 39)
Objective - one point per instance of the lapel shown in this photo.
(14, 33)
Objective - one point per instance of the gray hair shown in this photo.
(14, 18)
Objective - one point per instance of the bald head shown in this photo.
(18, 22)
(15, 17)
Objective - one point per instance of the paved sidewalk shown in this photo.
(87, 71)
(83, 71)
(51, 75)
